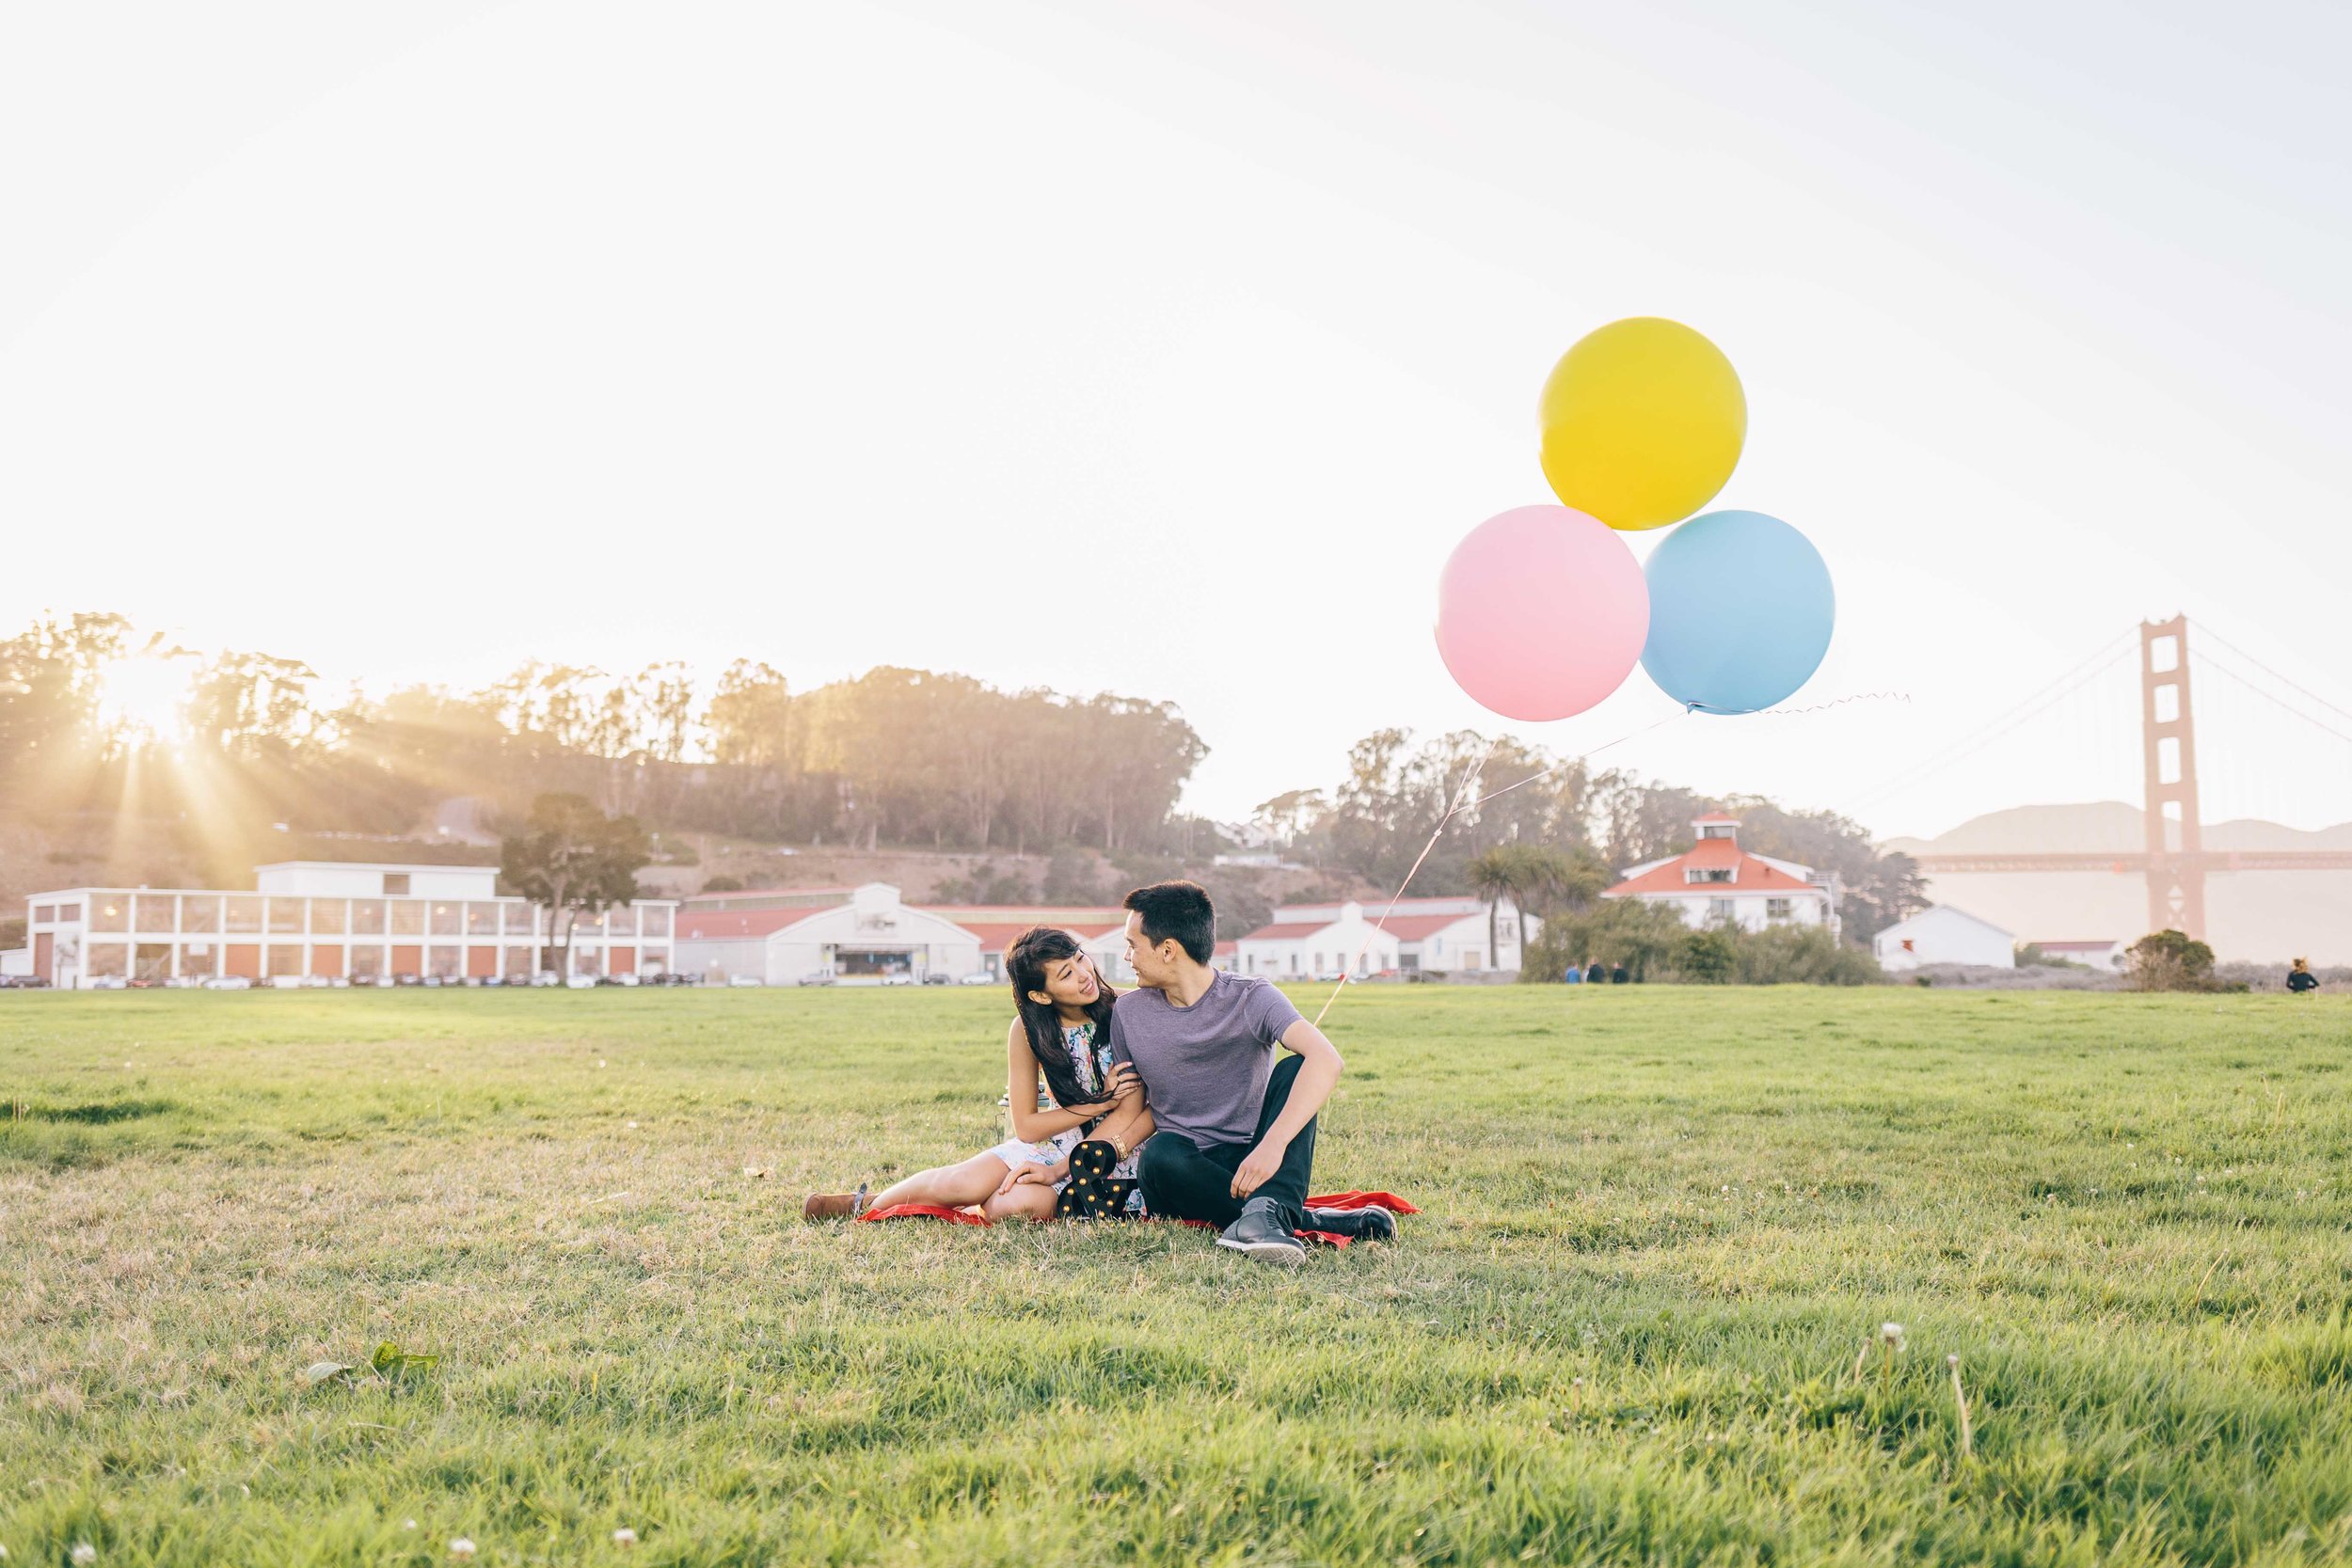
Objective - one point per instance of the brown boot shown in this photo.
(837, 1206)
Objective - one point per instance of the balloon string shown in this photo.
(1835, 702)
(1458, 805)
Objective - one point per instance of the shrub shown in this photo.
(1800, 955)
(723, 885)
(1652, 942)
(1708, 956)
(1643, 938)
(2169, 961)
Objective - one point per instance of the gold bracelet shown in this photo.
(1121, 1146)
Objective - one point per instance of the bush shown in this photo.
(2173, 961)
(1641, 937)
(1801, 955)
(1708, 956)
(723, 885)
(1652, 942)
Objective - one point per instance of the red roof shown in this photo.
(1715, 817)
(1227, 949)
(841, 893)
(995, 935)
(1714, 854)
(1290, 930)
(726, 925)
(1413, 927)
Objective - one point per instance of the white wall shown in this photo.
(367, 881)
(1749, 911)
(1327, 950)
(1943, 935)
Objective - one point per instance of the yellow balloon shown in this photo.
(1642, 421)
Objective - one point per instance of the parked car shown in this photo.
(748, 982)
(581, 982)
(106, 982)
(547, 977)
(227, 982)
(899, 979)
(978, 977)
(818, 977)
(936, 980)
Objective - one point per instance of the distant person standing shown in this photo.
(1619, 976)
(2301, 978)
(1575, 977)
(1597, 976)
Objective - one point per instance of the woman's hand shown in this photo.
(1125, 1087)
(1045, 1175)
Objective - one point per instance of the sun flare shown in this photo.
(144, 695)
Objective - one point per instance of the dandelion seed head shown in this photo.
(462, 1549)
(1953, 1362)
(624, 1537)
(83, 1551)
(1891, 1336)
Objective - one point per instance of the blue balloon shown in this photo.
(1740, 610)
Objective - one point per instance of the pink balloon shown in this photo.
(1541, 612)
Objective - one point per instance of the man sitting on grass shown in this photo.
(1236, 1136)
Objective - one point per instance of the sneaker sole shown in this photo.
(1288, 1252)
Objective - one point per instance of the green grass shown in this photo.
(1661, 1224)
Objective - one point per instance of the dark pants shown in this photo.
(1183, 1181)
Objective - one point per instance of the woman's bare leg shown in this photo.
(1031, 1200)
(960, 1186)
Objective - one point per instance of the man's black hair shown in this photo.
(1178, 910)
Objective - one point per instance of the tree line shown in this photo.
(897, 756)
(1552, 833)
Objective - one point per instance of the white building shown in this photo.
(1944, 935)
(1716, 882)
(1437, 935)
(868, 936)
(331, 920)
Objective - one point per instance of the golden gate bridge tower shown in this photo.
(2175, 861)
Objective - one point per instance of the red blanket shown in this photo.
(1390, 1201)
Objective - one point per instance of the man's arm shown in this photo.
(1318, 1074)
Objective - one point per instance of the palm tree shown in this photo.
(1531, 877)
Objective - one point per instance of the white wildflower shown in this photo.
(624, 1537)
(462, 1549)
(83, 1551)
(1891, 1336)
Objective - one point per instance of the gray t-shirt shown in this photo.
(1204, 1067)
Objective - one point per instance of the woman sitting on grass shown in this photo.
(1072, 1151)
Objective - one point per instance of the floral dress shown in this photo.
(1091, 1061)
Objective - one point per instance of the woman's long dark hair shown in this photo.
(1025, 962)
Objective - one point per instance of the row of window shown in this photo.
(203, 961)
(1729, 908)
(1470, 960)
(250, 914)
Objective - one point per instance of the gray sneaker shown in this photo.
(1372, 1223)
(1261, 1233)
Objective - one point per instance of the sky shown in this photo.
(1168, 349)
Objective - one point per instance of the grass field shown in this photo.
(1661, 1225)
